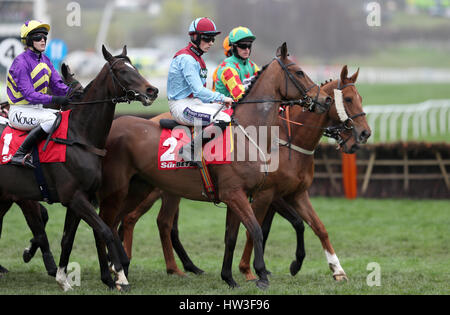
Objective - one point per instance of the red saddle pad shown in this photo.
(216, 151)
(11, 140)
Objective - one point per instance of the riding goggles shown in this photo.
(207, 38)
(244, 45)
(38, 37)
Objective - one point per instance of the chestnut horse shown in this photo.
(75, 182)
(349, 134)
(130, 169)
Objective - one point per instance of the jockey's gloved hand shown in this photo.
(77, 94)
(228, 101)
(60, 100)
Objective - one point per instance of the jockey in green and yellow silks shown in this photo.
(235, 72)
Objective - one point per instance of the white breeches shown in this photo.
(188, 110)
(26, 117)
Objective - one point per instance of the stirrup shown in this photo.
(25, 161)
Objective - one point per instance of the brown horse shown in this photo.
(75, 182)
(130, 170)
(348, 134)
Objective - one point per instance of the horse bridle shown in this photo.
(306, 102)
(129, 95)
(335, 131)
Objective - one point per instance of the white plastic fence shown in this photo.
(408, 122)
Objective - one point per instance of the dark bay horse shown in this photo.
(349, 135)
(130, 169)
(75, 182)
(36, 215)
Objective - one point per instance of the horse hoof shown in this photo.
(123, 287)
(262, 284)
(3, 270)
(65, 286)
(295, 267)
(194, 270)
(340, 277)
(232, 284)
(26, 255)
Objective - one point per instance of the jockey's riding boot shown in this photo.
(21, 157)
(187, 151)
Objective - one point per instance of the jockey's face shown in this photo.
(206, 43)
(244, 49)
(39, 41)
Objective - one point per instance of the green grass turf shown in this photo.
(408, 238)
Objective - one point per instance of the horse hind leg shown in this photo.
(32, 212)
(188, 265)
(169, 208)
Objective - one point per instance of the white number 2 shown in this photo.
(168, 155)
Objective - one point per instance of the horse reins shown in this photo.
(306, 101)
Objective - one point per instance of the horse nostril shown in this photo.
(364, 135)
(152, 91)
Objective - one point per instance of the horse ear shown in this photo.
(282, 51)
(124, 51)
(344, 73)
(106, 54)
(354, 76)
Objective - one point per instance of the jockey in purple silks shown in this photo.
(30, 78)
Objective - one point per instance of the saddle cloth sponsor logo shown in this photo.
(11, 139)
(216, 151)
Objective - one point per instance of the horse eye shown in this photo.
(348, 99)
(300, 73)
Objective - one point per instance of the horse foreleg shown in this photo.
(231, 234)
(188, 265)
(169, 209)
(238, 203)
(287, 212)
(82, 207)
(303, 206)
(71, 223)
(32, 212)
(267, 214)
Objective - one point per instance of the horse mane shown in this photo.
(252, 83)
(326, 82)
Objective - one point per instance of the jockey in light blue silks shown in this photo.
(30, 78)
(189, 99)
